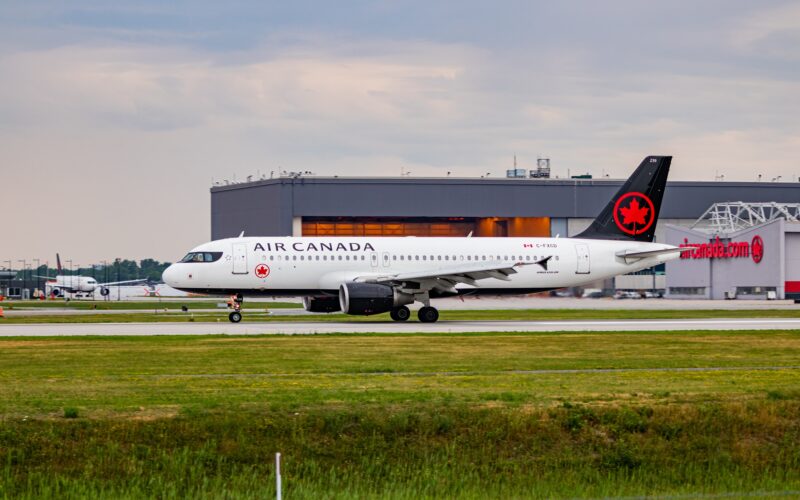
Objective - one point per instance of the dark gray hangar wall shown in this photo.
(266, 208)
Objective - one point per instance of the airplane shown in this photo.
(63, 284)
(365, 276)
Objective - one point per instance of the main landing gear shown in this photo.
(401, 313)
(236, 304)
(428, 314)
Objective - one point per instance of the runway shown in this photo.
(308, 327)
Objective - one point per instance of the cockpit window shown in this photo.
(202, 257)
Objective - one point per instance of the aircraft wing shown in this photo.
(122, 282)
(446, 278)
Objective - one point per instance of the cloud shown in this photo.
(137, 112)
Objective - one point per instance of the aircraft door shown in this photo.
(582, 251)
(239, 258)
(373, 258)
(386, 259)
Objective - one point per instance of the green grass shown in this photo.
(490, 415)
(257, 312)
(132, 305)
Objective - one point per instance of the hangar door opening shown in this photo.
(427, 226)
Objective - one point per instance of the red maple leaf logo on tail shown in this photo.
(634, 214)
(637, 216)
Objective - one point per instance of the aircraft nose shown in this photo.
(170, 275)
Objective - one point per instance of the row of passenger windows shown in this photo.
(515, 258)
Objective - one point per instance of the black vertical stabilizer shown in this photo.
(633, 212)
(59, 272)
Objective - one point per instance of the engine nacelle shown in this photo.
(321, 304)
(364, 299)
(104, 291)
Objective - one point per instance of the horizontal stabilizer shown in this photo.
(632, 255)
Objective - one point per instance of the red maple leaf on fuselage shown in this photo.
(634, 214)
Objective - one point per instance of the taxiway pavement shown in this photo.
(309, 327)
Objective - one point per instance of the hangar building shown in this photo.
(409, 206)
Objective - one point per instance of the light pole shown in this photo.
(24, 282)
(105, 278)
(30, 274)
(38, 265)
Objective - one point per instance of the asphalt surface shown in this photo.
(305, 328)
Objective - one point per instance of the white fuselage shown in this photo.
(72, 284)
(292, 266)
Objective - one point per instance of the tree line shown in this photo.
(117, 270)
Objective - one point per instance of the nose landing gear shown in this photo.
(236, 304)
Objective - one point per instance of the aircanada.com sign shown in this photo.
(717, 249)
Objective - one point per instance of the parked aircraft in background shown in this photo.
(364, 276)
(63, 284)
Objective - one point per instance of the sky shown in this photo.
(117, 117)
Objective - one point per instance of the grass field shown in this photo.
(402, 415)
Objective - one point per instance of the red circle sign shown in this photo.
(636, 215)
(757, 249)
(262, 270)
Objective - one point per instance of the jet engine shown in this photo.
(321, 304)
(364, 299)
(104, 291)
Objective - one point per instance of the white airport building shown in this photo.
(737, 250)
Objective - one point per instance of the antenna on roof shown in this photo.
(241, 235)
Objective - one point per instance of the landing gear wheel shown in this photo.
(235, 317)
(401, 313)
(428, 315)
